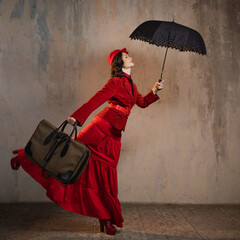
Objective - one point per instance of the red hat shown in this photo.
(114, 53)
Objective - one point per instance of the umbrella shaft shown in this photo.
(163, 64)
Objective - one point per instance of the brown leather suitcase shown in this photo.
(57, 153)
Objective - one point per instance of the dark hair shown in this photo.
(117, 64)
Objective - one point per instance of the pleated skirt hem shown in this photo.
(95, 192)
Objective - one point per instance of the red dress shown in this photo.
(95, 192)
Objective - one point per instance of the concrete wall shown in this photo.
(183, 148)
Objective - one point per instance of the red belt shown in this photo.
(126, 111)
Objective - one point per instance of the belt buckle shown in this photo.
(119, 108)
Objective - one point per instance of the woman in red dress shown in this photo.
(95, 192)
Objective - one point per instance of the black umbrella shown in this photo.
(169, 34)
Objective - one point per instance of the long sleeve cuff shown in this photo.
(156, 97)
(78, 123)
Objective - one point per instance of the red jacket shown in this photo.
(117, 91)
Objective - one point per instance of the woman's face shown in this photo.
(127, 61)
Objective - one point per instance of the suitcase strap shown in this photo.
(61, 137)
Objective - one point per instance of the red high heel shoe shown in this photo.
(15, 164)
(110, 229)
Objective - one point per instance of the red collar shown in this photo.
(125, 74)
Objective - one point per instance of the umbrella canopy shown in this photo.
(170, 34)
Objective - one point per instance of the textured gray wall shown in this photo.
(183, 148)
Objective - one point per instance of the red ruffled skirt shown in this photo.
(95, 192)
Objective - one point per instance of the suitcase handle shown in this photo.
(64, 124)
(74, 130)
(55, 132)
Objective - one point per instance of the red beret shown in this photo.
(114, 53)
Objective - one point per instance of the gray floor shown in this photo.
(48, 221)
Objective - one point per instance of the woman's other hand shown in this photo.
(157, 86)
(71, 120)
